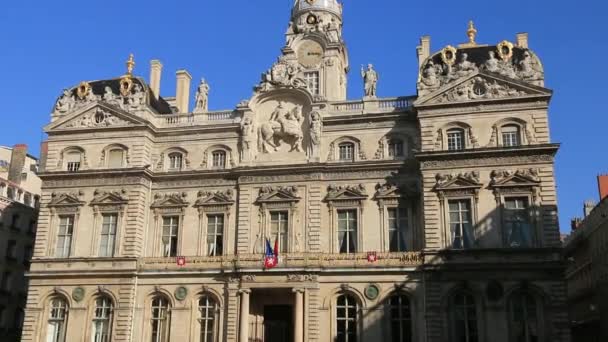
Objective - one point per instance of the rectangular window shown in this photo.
(109, 226)
(73, 160)
(346, 151)
(517, 225)
(64, 236)
(215, 234)
(461, 224)
(175, 161)
(312, 82)
(7, 281)
(170, 234)
(219, 159)
(15, 222)
(115, 159)
(11, 250)
(347, 230)
(455, 140)
(279, 223)
(510, 136)
(398, 229)
(395, 149)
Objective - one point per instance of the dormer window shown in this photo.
(219, 159)
(176, 161)
(456, 140)
(395, 148)
(346, 151)
(510, 135)
(73, 161)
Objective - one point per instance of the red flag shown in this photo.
(372, 257)
(270, 259)
(181, 261)
(276, 247)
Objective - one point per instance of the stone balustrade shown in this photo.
(291, 260)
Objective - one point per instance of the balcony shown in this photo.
(287, 261)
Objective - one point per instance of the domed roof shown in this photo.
(315, 5)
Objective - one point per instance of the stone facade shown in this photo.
(394, 217)
(587, 274)
(19, 200)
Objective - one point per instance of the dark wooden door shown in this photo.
(277, 323)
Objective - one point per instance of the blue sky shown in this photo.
(50, 45)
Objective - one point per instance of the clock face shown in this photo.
(310, 53)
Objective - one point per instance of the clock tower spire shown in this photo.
(314, 41)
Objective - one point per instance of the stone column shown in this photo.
(244, 316)
(298, 316)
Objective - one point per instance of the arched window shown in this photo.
(456, 139)
(511, 135)
(207, 308)
(218, 159)
(395, 148)
(524, 320)
(463, 318)
(400, 318)
(57, 322)
(176, 161)
(73, 161)
(102, 320)
(346, 151)
(116, 158)
(347, 310)
(160, 320)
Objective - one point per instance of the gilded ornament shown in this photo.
(130, 65)
(126, 84)
(448, 55)
(472, 33)
(505, 50)
(83, 90)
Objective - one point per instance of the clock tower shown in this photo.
(314, 41)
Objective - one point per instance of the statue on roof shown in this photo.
(529, 69)
(370, 80)
(66, 102)
(202, 97)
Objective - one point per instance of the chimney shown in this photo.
(602, 181)
(588, 207)
(44, 152)
(156, 68)
(17, 163)
(424, 49)
(575, 223)
(522, 40)
(182, 93)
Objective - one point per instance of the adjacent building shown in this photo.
(428, 217)
(587, 273)
(19, 201)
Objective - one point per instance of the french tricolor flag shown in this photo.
(271, 257)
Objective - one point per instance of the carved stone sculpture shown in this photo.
(431, 74)
(284, 74)
(463, 68)
(492, 63)
(529, 68)
(370, 80)
(202, 97)
(247, 139)
(66, 102)
(316, 129)
(283, 126)
(137, 98)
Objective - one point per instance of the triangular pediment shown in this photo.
(482, 86)
(169, 200)
(214, 198)
(109, 198)
(458, 181)
(278, 194)
(65, 200)
(344, 193)
(519, 178)
(95, 116)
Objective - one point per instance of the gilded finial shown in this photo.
(472, 33)
(130, 65)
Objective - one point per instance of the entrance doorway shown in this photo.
(277, 323)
